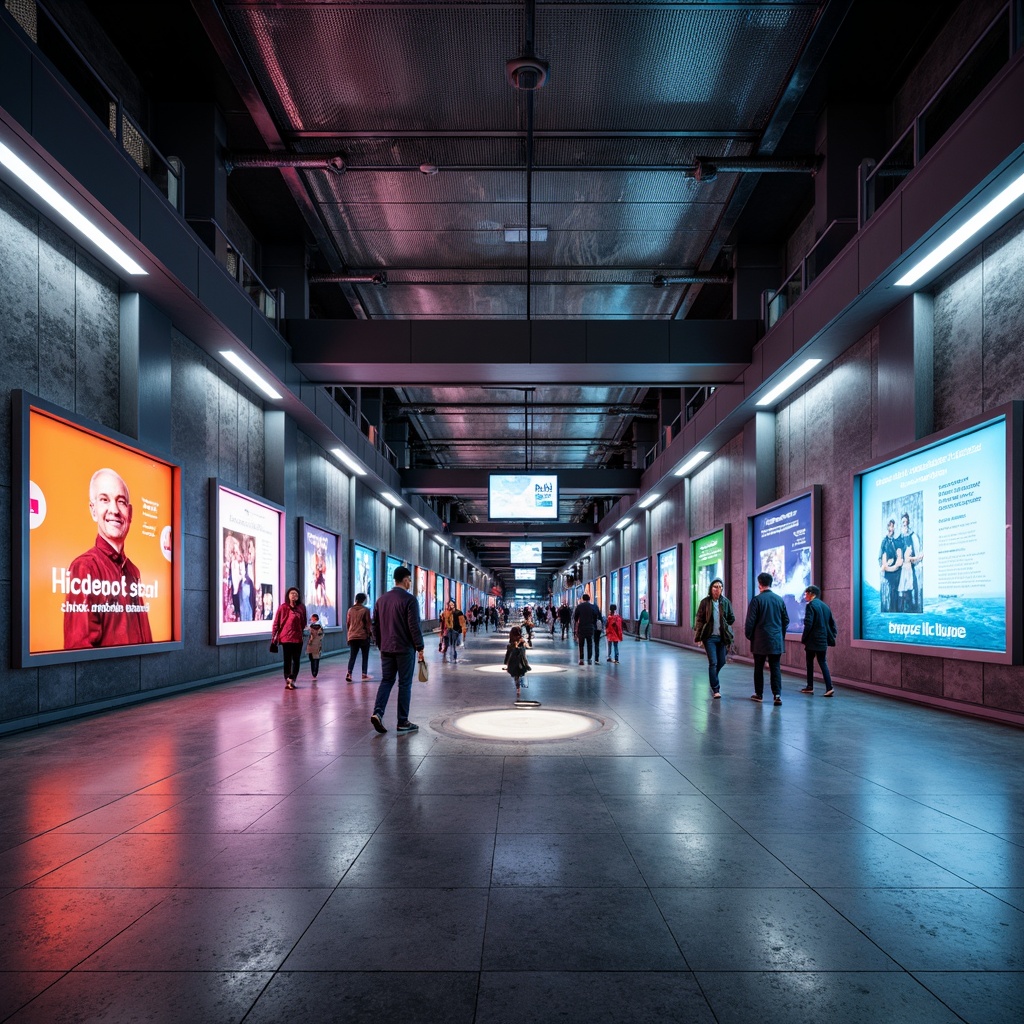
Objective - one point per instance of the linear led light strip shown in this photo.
(59, 204)
(786, 383)
(989, 211)
(247, 371)
(343, 456)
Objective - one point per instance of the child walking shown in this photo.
(515, 658)
(613, 633)
(315, 645)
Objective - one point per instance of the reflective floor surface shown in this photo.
(246, 853)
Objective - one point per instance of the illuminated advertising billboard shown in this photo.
(783, 542)
(318, 587)
(431, 594)
(98, 549)
(419, 589)
(440, 589)
(526, 574)
(642, 569)
(707, 563)
(390, 565)
(364, 574)
(522, 496)
(613, 592)
(625, 586)
(526, 552)
(668, 586)
(933, 545)
(245, 564)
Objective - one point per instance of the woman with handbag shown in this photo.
(289, 623)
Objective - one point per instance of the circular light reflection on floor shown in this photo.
(529, 724)
(535, 670)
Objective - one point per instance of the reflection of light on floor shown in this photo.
(534, 724)
(535, 670)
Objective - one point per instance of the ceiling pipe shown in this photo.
(273, 161)
(664, 280)
(381, 279)
(707, 168)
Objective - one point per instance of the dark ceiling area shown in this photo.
(532, 161)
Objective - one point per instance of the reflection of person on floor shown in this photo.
(887, 562)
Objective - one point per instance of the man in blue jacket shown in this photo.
(819, 635)
(765, 628)
(396, 631)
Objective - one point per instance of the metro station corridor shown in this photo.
(246, 853)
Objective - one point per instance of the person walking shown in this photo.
(315, 644)
(818, 636)
(289, 624)
(765, 628)
(516, 663)
(598, 633)
(360, 628)
(714, 617)
(564, 619)
(643, 625)
(453, 631)
(585, 619)
(613, 633)
(396, 631)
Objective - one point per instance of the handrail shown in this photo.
(914, 143)
(269, 301)
(64, 56)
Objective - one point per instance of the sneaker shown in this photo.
(581, 661)
(348, 679)
(407, 726)
(827, 693)
(716, 695)
(366, 677)
(754, 696)
(377, 723)
(807, 689)
(778, 702)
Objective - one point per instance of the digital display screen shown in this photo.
(783, 542)
(642, 568)
(933, 537)
(668, 586)
(526, 574)
(390, 565)
(431, 594)
(318, 587)
(625, 585)
(707, 563)
(522, 496)
(100, 548)
(248, 538)
(526, 552)
(613, 592)
(364, 574)
(440, 593)
(419, 579)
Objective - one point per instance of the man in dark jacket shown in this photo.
(585, 618)
(711, 628)
(818, 636)
(564, 617)
(765, 628)
(396, 631)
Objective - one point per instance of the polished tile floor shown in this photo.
(243, 853)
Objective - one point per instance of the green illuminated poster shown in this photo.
(707, 562)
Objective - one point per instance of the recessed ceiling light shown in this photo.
(695, 460)
(247, 371)
(649, 500)
(388, 496)
(343, 456)
(780, 389)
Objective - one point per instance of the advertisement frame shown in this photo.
(491, 517)
(675, 549)
(310, 607)
(1012, 414)
(216, 556)
(625, 589)
(371, 598)
(813, 494)
(696, 594)
(22, 403)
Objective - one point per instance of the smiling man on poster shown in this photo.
(106, 603)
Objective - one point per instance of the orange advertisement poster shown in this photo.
(101, 547)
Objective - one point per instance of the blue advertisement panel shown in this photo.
(668, 586)
(782, 545)
(641, 588)
(932, 529)
(613, 594)
(625, 585)
(320, 577)
(390, 565)
(364, 574)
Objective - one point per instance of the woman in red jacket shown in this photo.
(613, 633)
(289, 622)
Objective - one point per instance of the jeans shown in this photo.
(597, 647)
(775, 673)
(825, 674)
(403, 665)
(292, 653)
(589, 641)
(613, 650)
(355, 647)
(314, 666)
(717, 651)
